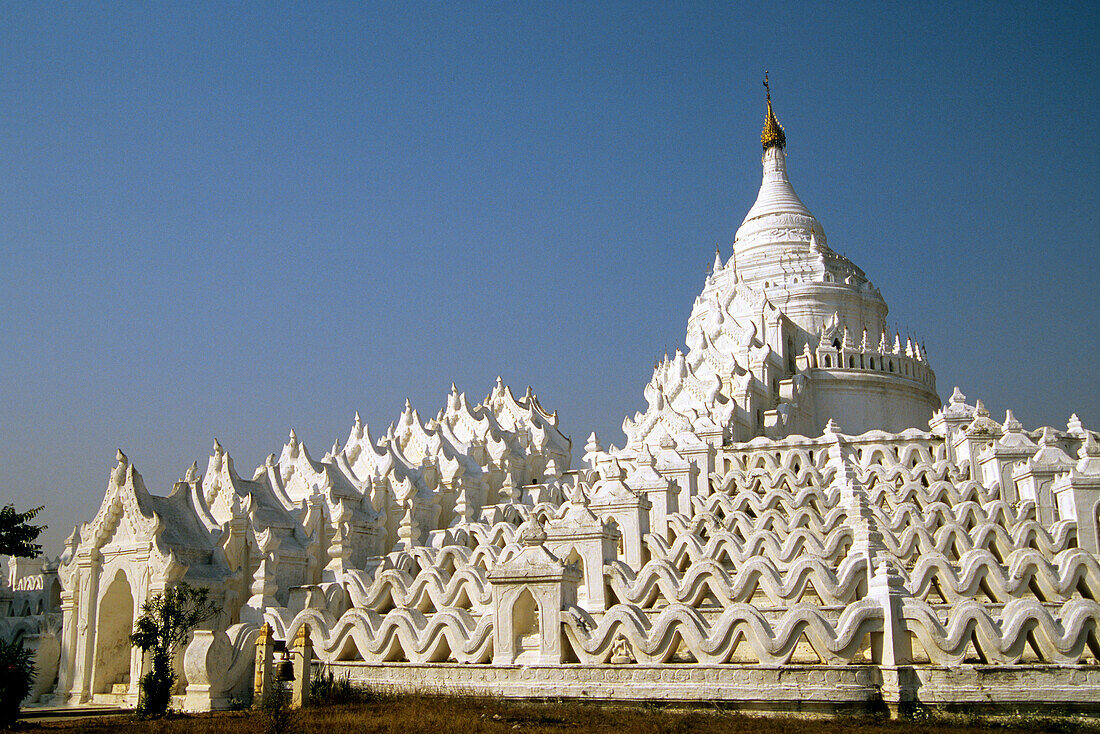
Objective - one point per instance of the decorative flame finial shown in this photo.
(773, 134)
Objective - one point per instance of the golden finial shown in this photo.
(772, 134)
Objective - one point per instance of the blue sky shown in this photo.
(230, 220)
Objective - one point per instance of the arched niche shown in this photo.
(526, 630)
(114, 622)
(582, 589)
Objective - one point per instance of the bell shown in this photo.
(284, 670)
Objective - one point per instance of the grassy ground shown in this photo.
(414, 714)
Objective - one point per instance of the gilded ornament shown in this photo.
(772, 134)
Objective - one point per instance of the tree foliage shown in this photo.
(16, 677)
(17, 535)
(165, 623)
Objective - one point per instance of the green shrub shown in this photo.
(16, 678)
(165, 623)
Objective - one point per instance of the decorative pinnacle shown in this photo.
(773, 134)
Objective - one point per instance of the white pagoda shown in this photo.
(785, 335)
(794, 523)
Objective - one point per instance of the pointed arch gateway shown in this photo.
(112, 637)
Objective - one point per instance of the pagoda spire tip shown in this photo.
(772, 135)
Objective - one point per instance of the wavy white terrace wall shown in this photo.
(869, 551)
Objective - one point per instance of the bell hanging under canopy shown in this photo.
(284, 670)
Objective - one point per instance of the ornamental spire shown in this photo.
(773, 134)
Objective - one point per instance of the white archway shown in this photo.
(114, 622)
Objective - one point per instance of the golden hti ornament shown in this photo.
(772, 134)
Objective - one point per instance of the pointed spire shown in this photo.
(1089, 455)
(717, 259)
(1090, 448)
(1048, 438)
(577, 495)
(776, 196)
(772, 134)
(591, 449)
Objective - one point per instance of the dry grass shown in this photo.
(426, 713)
